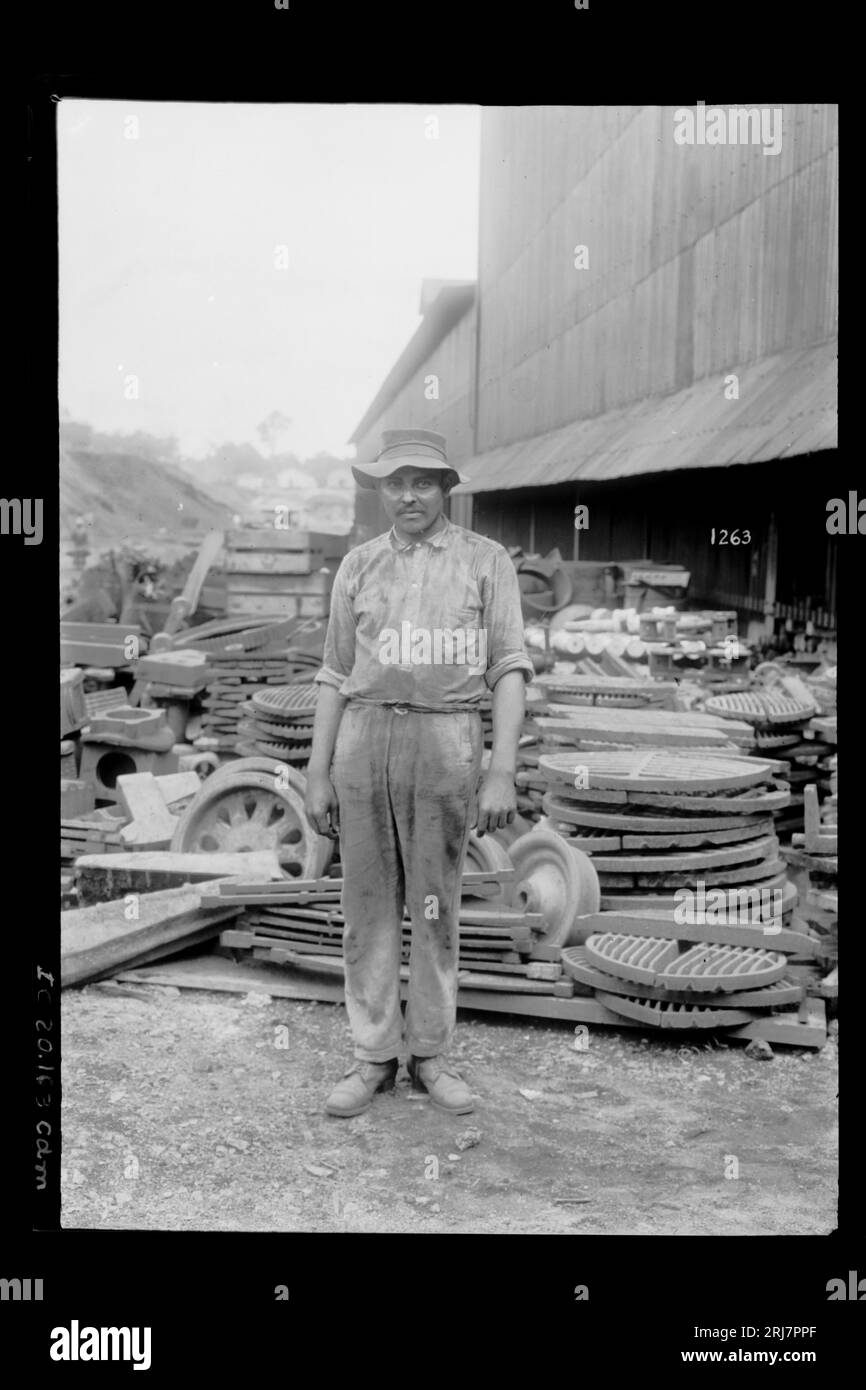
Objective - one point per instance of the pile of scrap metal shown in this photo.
(246, 658)
(813, 854)
(180, 708)
(534, 943)
(519, 907)
(660, 643)
(673, 806)
(139, 893)
(782, 707)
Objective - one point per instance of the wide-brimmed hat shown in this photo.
(405, 448)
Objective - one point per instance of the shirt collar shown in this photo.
(439, 539)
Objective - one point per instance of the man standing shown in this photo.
(424, 619)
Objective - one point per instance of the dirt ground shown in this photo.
(186, 1110)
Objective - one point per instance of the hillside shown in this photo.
(131, 498)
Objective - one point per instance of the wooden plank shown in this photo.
(806, 1028)
(186, 602)
(223, 976)
(267, 538)
(100, 939)
(263, 563)
(278, 586)
(297, 916)
(515, 986)
(276, 606)
(101, 877)
(200, 936)
(290, 888)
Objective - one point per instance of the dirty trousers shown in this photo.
(406, 783)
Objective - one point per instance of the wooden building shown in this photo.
(653, 336)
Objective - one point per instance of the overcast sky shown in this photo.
(167, 259)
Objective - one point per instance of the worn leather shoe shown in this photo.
(356, 1090)
(445, 1087)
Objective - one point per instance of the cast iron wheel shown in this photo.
(485, 855)
(253, 810)
(260, 764)
(555, 879)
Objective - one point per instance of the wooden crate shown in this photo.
(319, 582)
(274, 538)
(277, 605)
(272, 562)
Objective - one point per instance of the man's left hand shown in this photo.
(497, 802)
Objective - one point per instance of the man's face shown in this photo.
(413, 499)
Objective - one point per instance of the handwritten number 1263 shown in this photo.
(735, 537)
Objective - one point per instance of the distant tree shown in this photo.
(273, 430)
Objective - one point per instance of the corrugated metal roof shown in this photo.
(786, 406)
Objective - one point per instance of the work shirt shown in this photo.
(431, 624)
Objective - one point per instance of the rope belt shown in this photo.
(401, 707)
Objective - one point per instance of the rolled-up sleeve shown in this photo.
(339, 654)
(503, 621)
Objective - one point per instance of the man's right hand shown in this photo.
(321, 806)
